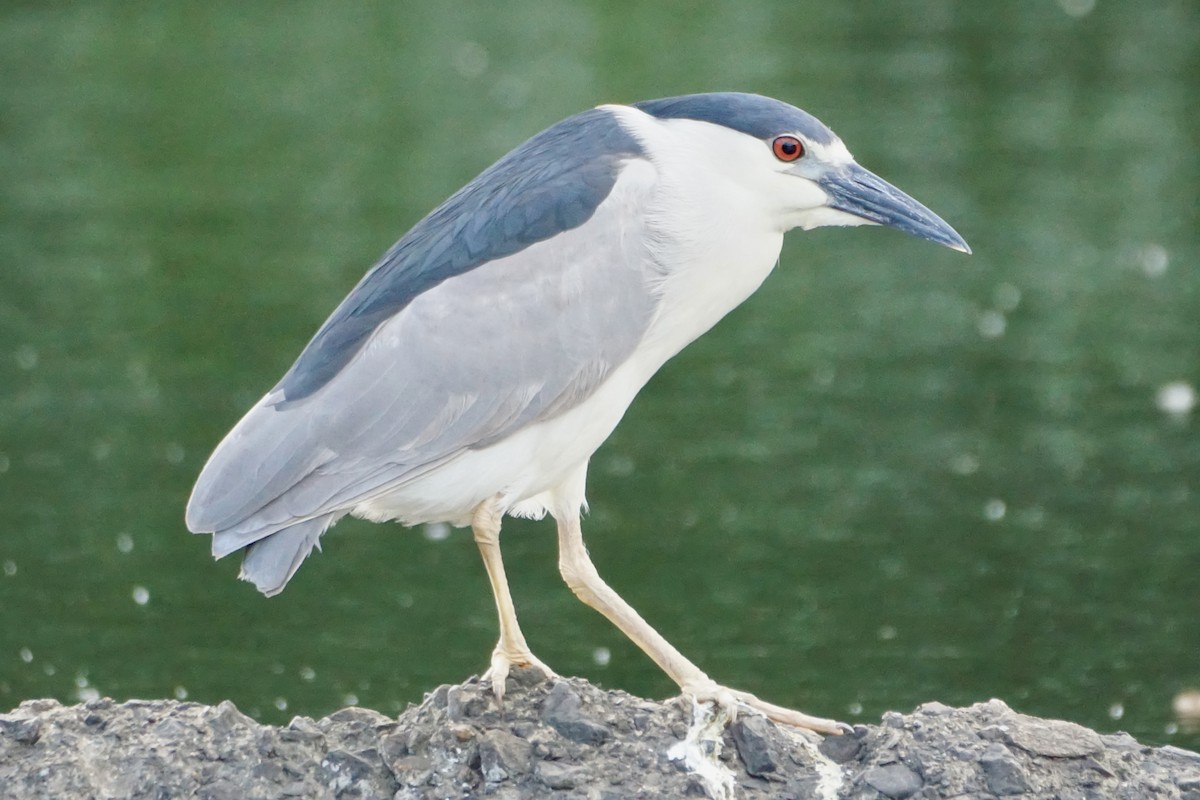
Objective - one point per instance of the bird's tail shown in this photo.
(270, 562)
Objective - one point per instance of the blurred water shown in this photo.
(895, 475)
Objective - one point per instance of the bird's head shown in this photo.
(796, 165)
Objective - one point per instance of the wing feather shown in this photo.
(463, 364)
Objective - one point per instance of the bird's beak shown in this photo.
(864, 194)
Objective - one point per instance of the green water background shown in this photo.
(894, 475)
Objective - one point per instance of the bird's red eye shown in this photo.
(787, 148)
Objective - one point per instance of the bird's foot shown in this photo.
(503, 660)
(733, 701)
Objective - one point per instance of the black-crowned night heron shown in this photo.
(476, 368)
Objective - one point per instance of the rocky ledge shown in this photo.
(565, 738)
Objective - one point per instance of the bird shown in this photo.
(478, 365)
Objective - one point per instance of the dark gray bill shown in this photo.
(864, 194)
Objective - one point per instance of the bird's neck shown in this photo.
(715, 269)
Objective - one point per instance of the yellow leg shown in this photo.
(511, 649)
(581, 576)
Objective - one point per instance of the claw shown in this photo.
(503, 662)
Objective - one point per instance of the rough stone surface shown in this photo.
(566, 739)
(1002, 772)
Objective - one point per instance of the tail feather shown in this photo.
(271, 562)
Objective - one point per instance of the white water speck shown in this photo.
(87, 694)
(10, 568)
(887, 633)
(1077, 8)
(181, 693)
(991, 324)
(470, 59)
(1153, 259)
(994, 510)
(601, 656)
(1116, 711)
(1006, 297)
(1177, 398)
(854, 709)
(308, 674)
(49, 669)
(26, 357)
(174, 453)
(436, 531)
(141, 595)
(620, 466)
(964, 464)
(124, 542)
(281, 703)
(26, 655)
(350, 699)
(1186, 704)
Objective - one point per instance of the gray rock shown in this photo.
(841, 749)
(558, 776)
(753, 741)
(894, 780)
(24, 730)
(566, 739)
(934, 709)
(462, 704)
(503, 756)
(1053, 738)
(1002, 772)
(563, 712)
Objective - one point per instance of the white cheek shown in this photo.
(821, 217)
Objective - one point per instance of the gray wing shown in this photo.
(466, 362)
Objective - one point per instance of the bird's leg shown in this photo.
(511, 649)
(580, 574)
